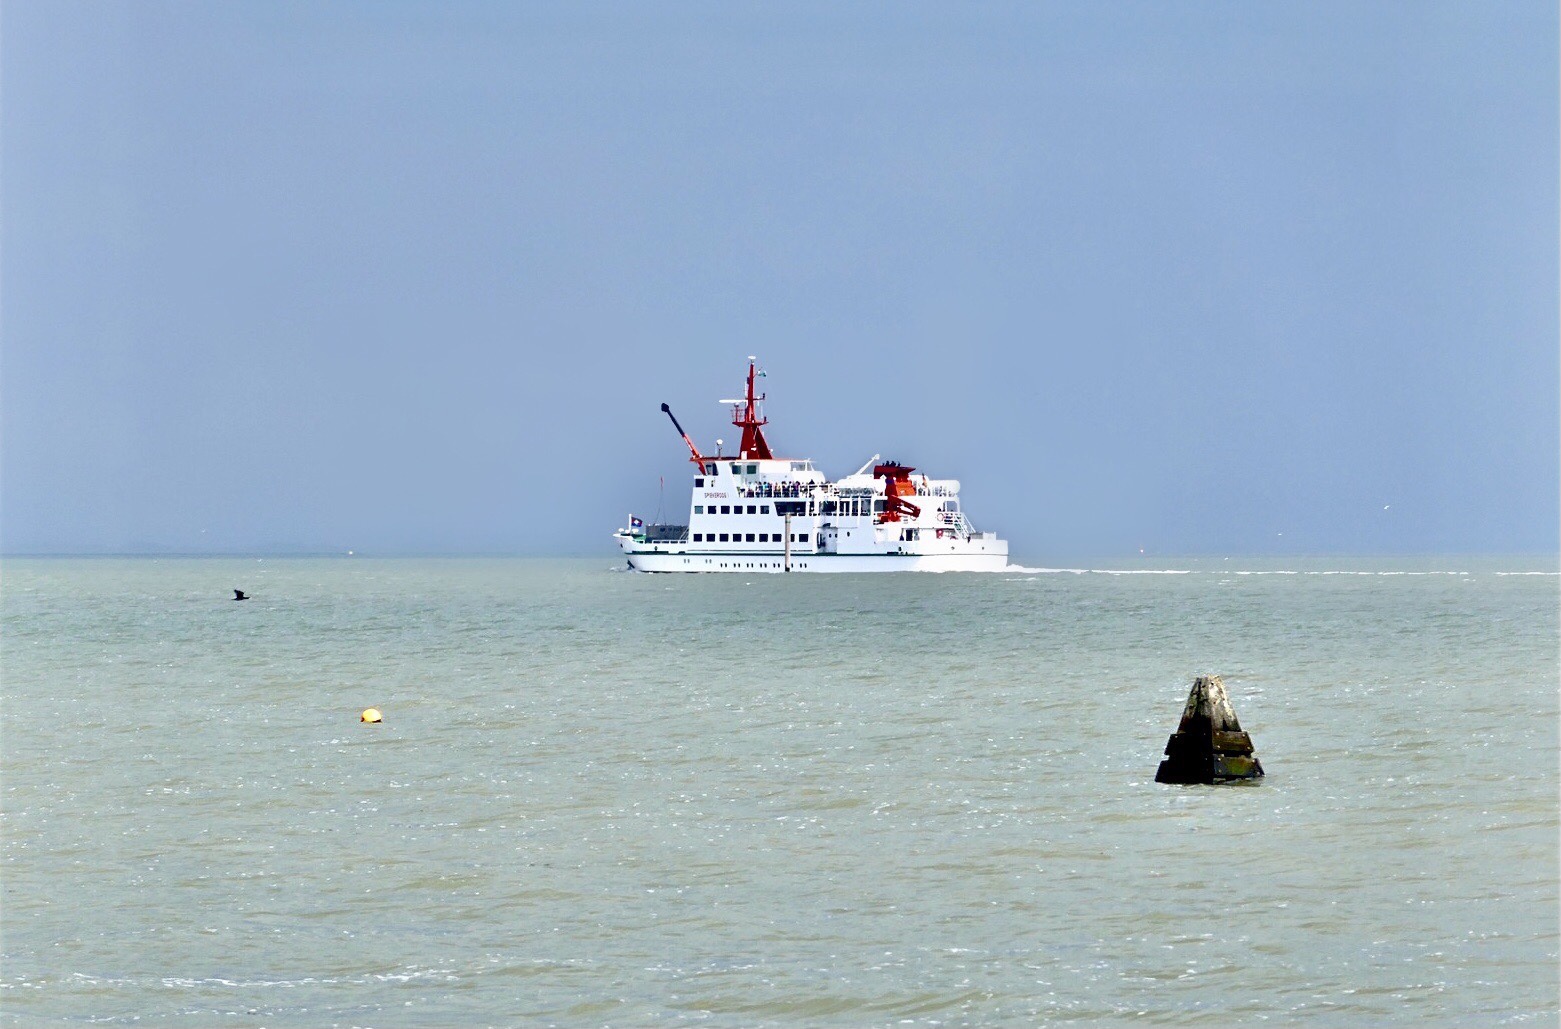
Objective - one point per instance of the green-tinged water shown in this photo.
(601, 798)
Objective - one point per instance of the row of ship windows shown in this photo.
(844, 507)
(762, 564)
(738, 537)
(737, 469)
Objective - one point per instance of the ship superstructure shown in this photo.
(755, 512)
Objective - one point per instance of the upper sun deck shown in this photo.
(922, 485)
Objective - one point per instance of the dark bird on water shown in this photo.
(240, 595)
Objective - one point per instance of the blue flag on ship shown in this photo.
(636, 523)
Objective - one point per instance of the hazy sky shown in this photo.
(415, 277)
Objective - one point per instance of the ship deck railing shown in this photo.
(958, 521)
(798, 490)
(780, 490)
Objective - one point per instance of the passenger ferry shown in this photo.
(755, 512)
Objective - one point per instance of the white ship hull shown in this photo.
(994, 561)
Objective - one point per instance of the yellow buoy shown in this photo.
(371, 715)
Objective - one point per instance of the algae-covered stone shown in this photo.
(1209, 745)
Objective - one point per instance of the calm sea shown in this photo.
(609, 799)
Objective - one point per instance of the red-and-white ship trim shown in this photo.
(754, 512)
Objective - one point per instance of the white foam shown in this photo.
(1027, 570)
(1023, 570)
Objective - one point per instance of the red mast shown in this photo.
(745, 416)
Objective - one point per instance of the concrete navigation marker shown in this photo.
(1208, 746)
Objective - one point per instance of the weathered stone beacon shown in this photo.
(1208, 746)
